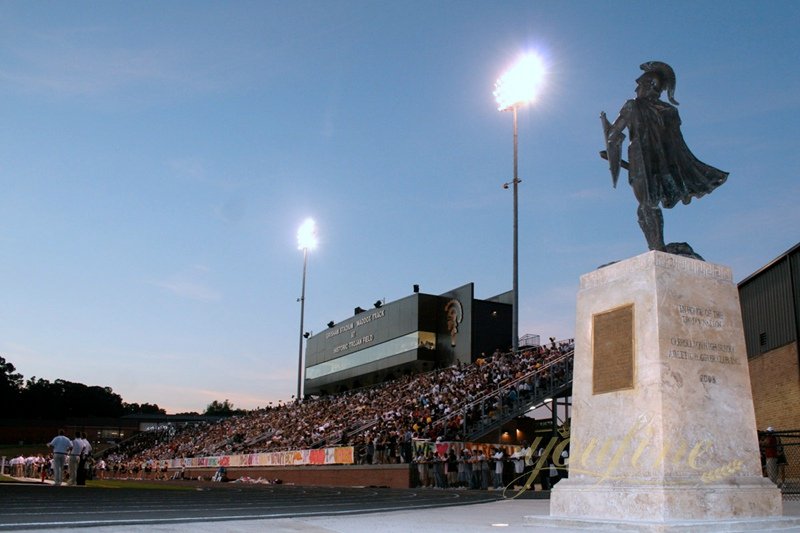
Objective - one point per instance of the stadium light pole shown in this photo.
(306, 240)
(517, 87)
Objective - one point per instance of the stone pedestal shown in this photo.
(663, 429)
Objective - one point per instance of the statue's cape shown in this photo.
(659, 155)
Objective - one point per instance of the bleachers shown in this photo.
(460, 402)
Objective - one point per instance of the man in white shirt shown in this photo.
(87, 446)
(498, 457)
(87, 450)
(75, 459)
(519, 467)
(61, 446)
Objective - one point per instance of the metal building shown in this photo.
(770, 300)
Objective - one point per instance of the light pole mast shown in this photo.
(515, 281)
(302, 313)
(515, 88)
(306, 240)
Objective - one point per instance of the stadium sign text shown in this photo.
(379, 313)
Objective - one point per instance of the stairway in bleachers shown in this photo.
(552, 380)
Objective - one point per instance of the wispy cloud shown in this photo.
(183, 399)
(589, 194)
(71, 63)
(20, 354)
(190, 290)
(189, 167)
(195, 170)
(190, 284)
(232, 210)
(65, 68)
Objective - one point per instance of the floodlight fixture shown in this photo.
(521, 83)
(307, 235)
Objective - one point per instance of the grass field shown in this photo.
(119, 484)
(135, 484)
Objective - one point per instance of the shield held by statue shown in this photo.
(613, 151)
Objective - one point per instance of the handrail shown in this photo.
(465, 407)
(487, 423)
(546, 366)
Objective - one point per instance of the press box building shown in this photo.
(414, 334)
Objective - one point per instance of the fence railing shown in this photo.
(546, 381)
(549, 381)
(784, 471)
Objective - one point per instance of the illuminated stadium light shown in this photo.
(521, 83)
(307, 235)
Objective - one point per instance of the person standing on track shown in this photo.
(61, 447)
(75, 459)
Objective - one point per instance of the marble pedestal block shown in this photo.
(663, 429)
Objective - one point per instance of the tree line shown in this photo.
(39, 398)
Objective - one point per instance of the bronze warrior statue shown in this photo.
(661, 168)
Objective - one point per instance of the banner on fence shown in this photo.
(322, 456)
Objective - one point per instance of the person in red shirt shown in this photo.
(770, 444)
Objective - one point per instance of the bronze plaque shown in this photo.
(612, 350)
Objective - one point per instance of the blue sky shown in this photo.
(157, 158)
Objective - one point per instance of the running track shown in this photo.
(45, 506)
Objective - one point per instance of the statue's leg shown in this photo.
(651, 220)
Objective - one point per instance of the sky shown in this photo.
(157, 159)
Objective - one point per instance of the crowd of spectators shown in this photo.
(478, 468)
(380, 422)
(27, 466)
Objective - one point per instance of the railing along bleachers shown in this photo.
(551, 380)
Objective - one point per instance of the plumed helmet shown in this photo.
(666, 74)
